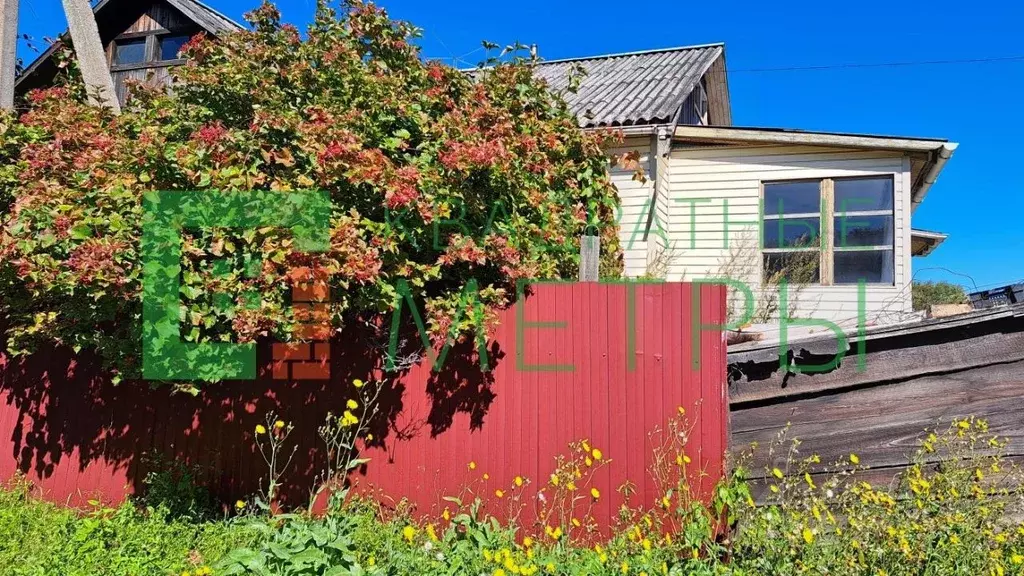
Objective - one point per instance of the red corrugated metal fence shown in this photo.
(582, 365)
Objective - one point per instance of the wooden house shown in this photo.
(141, 40)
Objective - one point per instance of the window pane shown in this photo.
(170, 46)
(863, 194)
(795, 267)
(863, 231)
(792, 233)
(871, 266)
(130, 51)
(793, 197)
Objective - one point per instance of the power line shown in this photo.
(880, 64)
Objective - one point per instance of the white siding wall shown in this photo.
(635, 201)
(735, 174)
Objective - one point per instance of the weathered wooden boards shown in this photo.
(914, 380)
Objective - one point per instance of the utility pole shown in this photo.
(8, 51)
(89, 51)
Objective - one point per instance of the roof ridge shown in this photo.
(633, 53)
(218, 13)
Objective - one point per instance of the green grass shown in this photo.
(39, 538)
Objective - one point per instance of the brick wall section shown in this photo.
(307, 360)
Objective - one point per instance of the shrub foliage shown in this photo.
(436, 176)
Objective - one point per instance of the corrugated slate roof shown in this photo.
(633, 88)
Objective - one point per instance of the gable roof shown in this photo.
(207, 18)
(632, 88)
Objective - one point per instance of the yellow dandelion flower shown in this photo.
(777, 473)
(260, 429)
(499, 493)
(486, 476)
(646, 544)
(575, 522)
(498, 572)
(518, 481)
(855, 459)
(431, 533)
(472, 465)
(596, 454)
(527, 541)
(279, 424)
(625, 567)
(571, 486)
(666, 502)
(408, 533)
(446, 515)
(550, 567)
(808, 535)
(239, 504)
(679, 459)
(369, 437)
(588, 461)
(554, 480)
(595, 493)
(352, 404)
(357, 383)
(557, 533)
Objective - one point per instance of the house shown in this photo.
(837, 207)
(823, 210)
(141, 40)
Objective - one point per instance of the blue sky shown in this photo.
(978, 200)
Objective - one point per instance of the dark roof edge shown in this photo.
(632, 53)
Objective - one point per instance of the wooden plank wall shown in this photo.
(913, 381)
(78, 438)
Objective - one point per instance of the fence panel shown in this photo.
(609, 363)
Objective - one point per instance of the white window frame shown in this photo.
(827, 236)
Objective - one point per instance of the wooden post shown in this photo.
(8, 51)
(89, 51)
(590, 256)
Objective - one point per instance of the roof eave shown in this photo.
(939, 151)
(931, 241)
(739, 135)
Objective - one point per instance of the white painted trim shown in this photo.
(741, 135)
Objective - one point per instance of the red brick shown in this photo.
(311, 371)
(322, 353)
(311, 292)
(313, 331)
(293, 351)
(280, 370)
(312, 313)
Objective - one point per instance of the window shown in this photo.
(170, 46)
(833, 231)
(863, 231)
(131, 51)
(792, 231)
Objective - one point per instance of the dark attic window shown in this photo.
(170, 46)
(130, 51)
